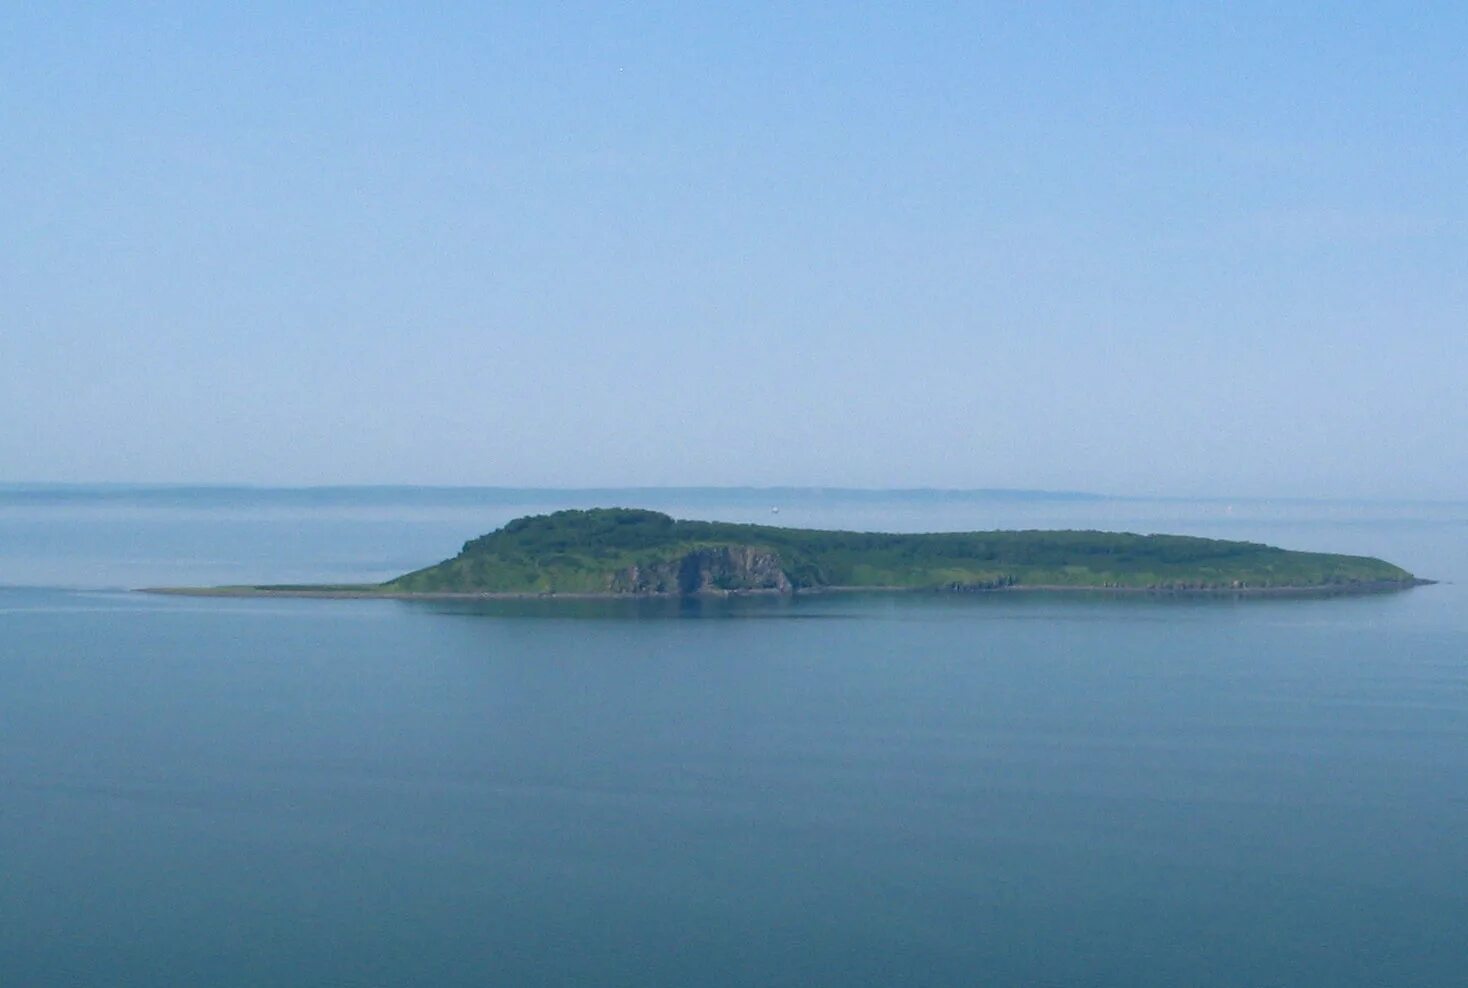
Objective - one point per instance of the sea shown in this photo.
(846, 790)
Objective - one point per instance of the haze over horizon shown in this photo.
(1153, 251)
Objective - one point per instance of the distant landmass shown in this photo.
(245, 495)
(625, 552)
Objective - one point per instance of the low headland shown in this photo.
(625, 552)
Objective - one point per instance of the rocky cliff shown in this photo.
(711, 570)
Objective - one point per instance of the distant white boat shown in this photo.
(774, 511)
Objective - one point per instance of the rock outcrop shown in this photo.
(710, 570)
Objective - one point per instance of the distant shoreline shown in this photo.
(368, 593)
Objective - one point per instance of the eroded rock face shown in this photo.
(715, 570)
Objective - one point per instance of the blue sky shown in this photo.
(1138, 249)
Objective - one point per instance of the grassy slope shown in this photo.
(579, 551)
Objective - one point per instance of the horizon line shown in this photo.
(1037, 493)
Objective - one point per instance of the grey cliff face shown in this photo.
(715, 570)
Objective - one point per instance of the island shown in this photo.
(632, 552)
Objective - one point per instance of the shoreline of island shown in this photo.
(636, 554)
(328, 592)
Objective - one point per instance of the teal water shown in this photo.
(864, 790)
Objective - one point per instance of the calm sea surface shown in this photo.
(846, 791)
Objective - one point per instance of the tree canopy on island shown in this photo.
(625, 550)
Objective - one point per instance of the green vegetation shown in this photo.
(617, 550)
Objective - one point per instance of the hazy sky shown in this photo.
(1145, 249)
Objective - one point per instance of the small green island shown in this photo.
(630, 552)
